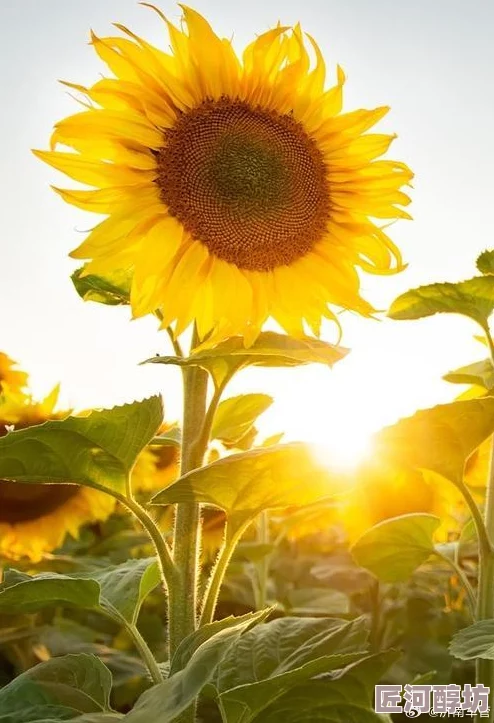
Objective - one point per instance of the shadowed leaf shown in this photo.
(98, 450)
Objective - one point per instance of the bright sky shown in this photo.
(431, 61)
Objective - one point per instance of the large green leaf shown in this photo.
(112, 289)
(98, 450)
(269, 660)
(235, 416)
(347, 698)
(245, 484)
(269, 349)
(473, 298)
(21, 593)
(192, 642)
(126, 586)
(439, 439)
(476, 641)
(394, 548)
(120, 587)
(74, 683)
(164, 702)
(480, 373)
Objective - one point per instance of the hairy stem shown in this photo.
(485, 597)
(183, 594)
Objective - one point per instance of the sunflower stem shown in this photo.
(485, 595)
(183, 594)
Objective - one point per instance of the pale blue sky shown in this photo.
(431, 60)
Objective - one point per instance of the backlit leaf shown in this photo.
(480, 373)
(245, 484)
(394, 548)
(439, 439)
(97, 450)
(112, 289)
(473, 298)
(485, 262)
(235, 416)
(270, 349)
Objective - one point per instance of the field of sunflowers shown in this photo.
(197, 571)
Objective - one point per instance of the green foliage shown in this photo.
(268, 350)
(394, 548)
(245, 484)
(98, 450)
(235, 416)
(21, 593)
(121, 587)
(479, 373)
(485, 262)
(59, 689)
(473, 298)
(111, 289)
(439, 439)
(476, 641)
(269, 660)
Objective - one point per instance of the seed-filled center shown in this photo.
(22, 502)
(247, 182)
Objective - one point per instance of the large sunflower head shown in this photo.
(11, 378)
(35, 518)
(235, 188)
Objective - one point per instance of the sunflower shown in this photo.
(156, 467)
(235, 189)
(10, 377)
(35, 518)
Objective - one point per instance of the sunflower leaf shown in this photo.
(77, 683)
(126, 586)
(268, 660)
(479, 373)
(21, 593)
(485, 262)
(473, 298)
(164, 702)
(476, 641)
(269, 350)
(112, 289)
(347, 696)
(247, 483)
(235, 416)
(395, 548)
(95, 451)
(439, 439)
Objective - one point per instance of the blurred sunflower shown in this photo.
(235, 188)
(10, 377)
(35, 518)
(156, 467)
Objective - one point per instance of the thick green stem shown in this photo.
(219, 570)
(485, 599)
(183, 594)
